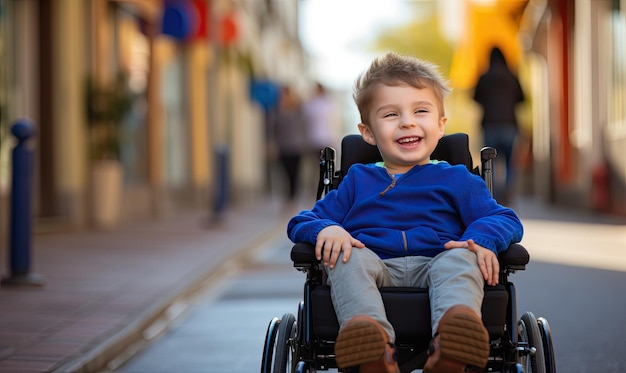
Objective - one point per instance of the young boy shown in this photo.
(410, 221)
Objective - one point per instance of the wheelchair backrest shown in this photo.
(453, 148)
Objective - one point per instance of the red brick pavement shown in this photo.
(103, 289)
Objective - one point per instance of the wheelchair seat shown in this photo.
(306, 344)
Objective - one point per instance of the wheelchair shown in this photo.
(305, 343)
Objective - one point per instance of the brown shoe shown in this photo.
(364, 343)
(460, 345)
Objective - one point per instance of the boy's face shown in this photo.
(405, 124)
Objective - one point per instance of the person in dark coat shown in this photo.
(288, 140)
(498, 92)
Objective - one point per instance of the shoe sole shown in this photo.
(463, 338)
(359, 343)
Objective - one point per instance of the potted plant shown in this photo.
(107, 106)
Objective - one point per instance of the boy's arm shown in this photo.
(495, 231)
(306, 226)
(328, 211)
(488, 224)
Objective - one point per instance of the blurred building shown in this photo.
(153, 92)
(571, 58)
(576, 58)
(186, 83)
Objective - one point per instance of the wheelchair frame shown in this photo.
(306, 343)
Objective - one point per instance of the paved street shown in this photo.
(575, 280)
(585, 308)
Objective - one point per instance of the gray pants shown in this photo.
(452, 278)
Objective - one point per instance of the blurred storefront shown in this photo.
(571, 59)
(576, 58)
(156, 87)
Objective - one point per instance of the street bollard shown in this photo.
(21, 209)
(220, 197)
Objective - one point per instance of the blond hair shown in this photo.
(393, 70)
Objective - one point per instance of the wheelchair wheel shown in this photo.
(532, 360)
(285, 356)
(268, 347)
(300, 325)
(548, 349)
(302, 367)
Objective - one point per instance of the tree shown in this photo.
(106, 109)
(421, 38)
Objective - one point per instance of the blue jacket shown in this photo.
(415, 215)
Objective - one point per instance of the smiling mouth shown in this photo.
(412, 140)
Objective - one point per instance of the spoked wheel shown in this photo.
(268, 348)
(548, 349)
(286, 345)
(532, 360)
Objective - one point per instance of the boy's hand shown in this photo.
(331, 241)
(487, 259)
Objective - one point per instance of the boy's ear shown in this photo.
(366, 133)
(442, 126)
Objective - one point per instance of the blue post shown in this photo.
(21, 208)
(220, 201)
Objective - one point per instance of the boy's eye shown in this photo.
(389, 115)
(421, 111)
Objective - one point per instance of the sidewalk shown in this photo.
(568, 236)
(106, 290)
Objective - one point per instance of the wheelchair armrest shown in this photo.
(303, 255)
(515, 257)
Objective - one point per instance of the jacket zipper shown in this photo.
(404, 241)
(382, 194)
(393, 184)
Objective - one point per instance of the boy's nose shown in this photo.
(407, 121)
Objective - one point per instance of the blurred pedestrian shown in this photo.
(498, 92)
(320, 113)
(288, 140)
